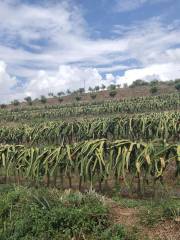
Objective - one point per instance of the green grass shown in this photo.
(152, 211)
(45, 214)
(158, 211)
(131, 203)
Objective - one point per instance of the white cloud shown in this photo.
(35, 37)
(130, 5)
(110, 78)
(168, 71)
(67, 77)
(6, 81)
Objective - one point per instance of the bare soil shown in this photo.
(129, 217)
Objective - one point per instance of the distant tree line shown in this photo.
(112, 91)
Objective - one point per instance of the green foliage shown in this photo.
(68, 91)
(50, 94)
(28, 100)
(60, 99)
(112, 93)
(50, 214)
(144, 126)
(177, 86)
(81, 90)
(96, 88)
(126, 106)
(154, 83)
(89, 160)
(15, 102)
(130, 203)
(78, 98)
(119, 232)
(112, 87)
(3, 106)
(60, 94)
(43, 214)
(160, 210)
(103, 87)
(43, 99)
(171, 209)
(139, 83)
(153, 89)
(90, 89)
(93, 95)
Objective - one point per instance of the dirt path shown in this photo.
(165, 230)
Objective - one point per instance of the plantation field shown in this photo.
(123, 106)
(127, 147)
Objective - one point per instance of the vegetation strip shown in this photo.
(89, 161)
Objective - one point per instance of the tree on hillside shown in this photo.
(96, 88)
(68, 92)
(112, 87)
(43, 99)
(139, 83)
(60, 99)
(60, 94)
(81, 90)
(50, 94)
(15, 102)
(177, 86)
(28, 100)
(103, 87)
(153, 89)
(3, 106)
(112, 93)
(93, 96)
(154, 82)
(78, 98)
(90, 89)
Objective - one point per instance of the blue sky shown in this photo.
(54, 45)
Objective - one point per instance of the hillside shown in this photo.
(102, 95)
(109, 167)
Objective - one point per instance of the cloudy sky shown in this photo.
(52, 45)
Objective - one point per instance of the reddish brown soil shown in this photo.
(104, 95)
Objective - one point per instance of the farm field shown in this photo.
(89, 120)
(104, 170)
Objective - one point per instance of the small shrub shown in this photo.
(160, 210)
(171, 209)
(78, 98)
(15, 102)
(96, 88)
(43, 99)
(51, 214)
(153, 90)
(112, 87)
(118, 232)
(28, 100)
(93, 96)
(60, 99)
(139, 83)
(177, 86)
(60, 94)
(3, 106)
(112, 93)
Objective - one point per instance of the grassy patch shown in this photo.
(158, 211)
(131, 203)
(46, 214)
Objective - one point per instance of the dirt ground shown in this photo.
(129, 217)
